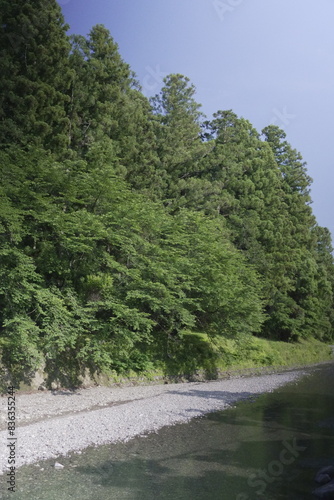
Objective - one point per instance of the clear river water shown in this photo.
(268, 448)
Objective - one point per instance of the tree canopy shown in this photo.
(126, 222)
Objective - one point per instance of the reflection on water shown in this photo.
(269, 449)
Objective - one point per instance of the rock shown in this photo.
(42, 388)
(325, 492)
(322, 478)
(325, 471)
(58, 466)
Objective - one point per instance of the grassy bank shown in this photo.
(202, 352)
(199, 357)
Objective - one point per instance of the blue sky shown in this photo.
(271, 61)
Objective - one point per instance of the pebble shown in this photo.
(325, 492)
(77, 421)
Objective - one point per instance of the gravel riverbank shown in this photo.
(51, 424)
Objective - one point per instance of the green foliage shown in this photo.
(35, 74)
(190, 353)
(114, 272)
(127, 226)
(100, 79)
(301, 311)
(179, 146)
(259, 352)
(18, 332)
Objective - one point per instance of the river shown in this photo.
(269, 448)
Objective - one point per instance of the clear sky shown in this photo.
(270, 61)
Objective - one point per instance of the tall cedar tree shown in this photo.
(307, 314)
(35, 74)
(178, 131)
(100, 81)
(250, 199)
(106, 108)
(325, 282)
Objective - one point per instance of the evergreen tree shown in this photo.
(137, 144)
(178, 130)
(98, 89)
(265, 193)
(107, 109)
(325, 282)
(35, 74)
(304, 311)
(250, 199)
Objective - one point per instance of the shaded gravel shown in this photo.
(50, 424)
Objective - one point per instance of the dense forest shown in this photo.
(127, 222)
